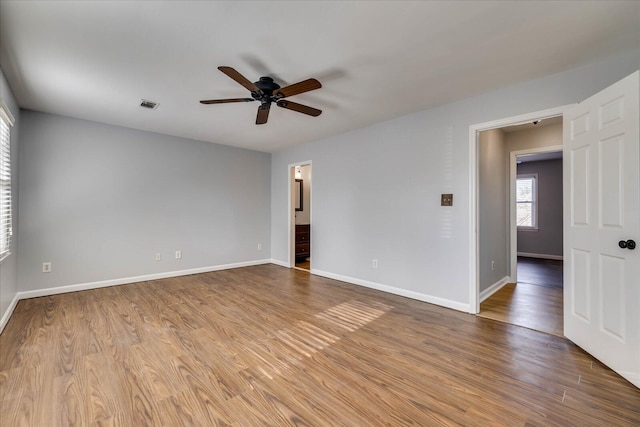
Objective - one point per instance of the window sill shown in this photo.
(527, 228)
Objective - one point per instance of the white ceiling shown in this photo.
(376, 60)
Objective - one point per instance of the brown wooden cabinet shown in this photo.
(303, 241)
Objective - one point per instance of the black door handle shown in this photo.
(629, 244)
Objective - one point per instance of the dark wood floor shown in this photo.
(541, 272)
(266, 345)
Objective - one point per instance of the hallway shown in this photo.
(535, 302)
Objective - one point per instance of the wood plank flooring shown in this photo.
(531, 306)
(304, 264)
(535, 302)
(542, 272)
(271, 346)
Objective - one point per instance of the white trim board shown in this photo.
(8, 312)
(280, 263)
(494, 288)
(455, 305)
(541, 256)
(121, 281)
(135, 279)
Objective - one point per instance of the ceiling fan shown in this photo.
(267, 91)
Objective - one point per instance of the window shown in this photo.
(6, 120)
(526, 201)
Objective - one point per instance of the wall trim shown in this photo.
(280, 263)
(541, 256)
(494, 288)
(455, 305)
(8, 312)
(135, 279)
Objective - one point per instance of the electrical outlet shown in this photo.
(158, 256)
(259, 246)
(493, 265)
(374, 264)
(178, 254)
(46, 267)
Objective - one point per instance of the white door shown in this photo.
(602, 208)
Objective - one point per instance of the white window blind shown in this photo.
(526, 197)
(6, 121)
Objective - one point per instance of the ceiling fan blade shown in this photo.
(263, 114)
(297, 88)
(239, 78)
(225, 101)
(299, 108)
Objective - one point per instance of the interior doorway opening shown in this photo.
(519, 266)
(533, 297)
(300, 216)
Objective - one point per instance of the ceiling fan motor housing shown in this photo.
(267, 86)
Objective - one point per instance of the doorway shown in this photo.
(600, 201)
(533, 298)
(300, 216)
(519, 241)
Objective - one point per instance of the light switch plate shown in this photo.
(446, 200)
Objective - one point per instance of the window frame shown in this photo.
(7, 119)
(533, 202)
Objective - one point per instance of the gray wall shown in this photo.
(493, 207)
(98, 201)
(376, 191)
(9, 266)
(547, 240)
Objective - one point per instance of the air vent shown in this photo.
(149, 104)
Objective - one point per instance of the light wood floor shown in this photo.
(536, 302)
(531, 306)
(266, 345)
(304, 264)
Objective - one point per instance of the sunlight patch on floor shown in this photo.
(352, 315)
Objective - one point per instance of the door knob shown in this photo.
(629, 244)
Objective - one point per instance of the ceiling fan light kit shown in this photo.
(267, 92)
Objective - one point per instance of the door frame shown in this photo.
(291, 237)
(474, 131)
(513, 228)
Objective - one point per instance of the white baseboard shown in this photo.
(541, 256)
(494, 288)
(135, 279)
(396, 291)
(280, 263)
(8, 312)
(126, 280)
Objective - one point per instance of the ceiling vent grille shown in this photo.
(149, 104)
